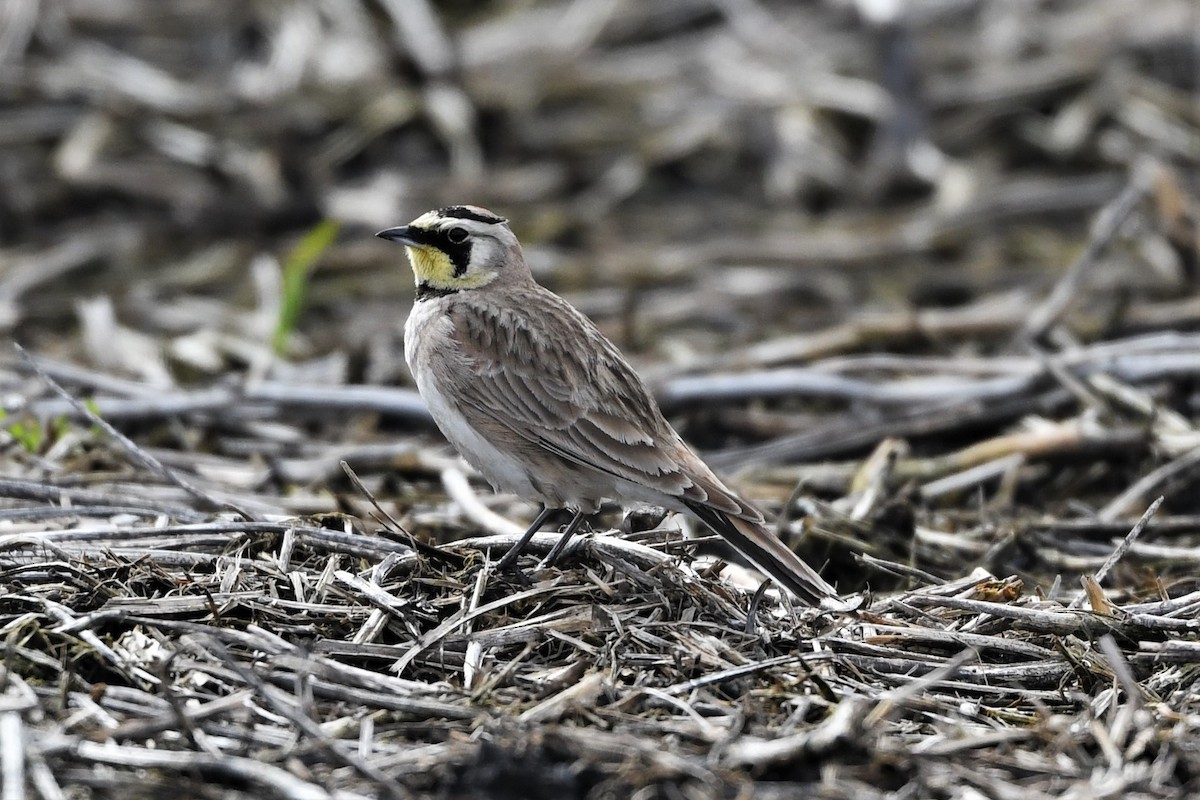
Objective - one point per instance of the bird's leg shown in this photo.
(519, 547)
(561, 544)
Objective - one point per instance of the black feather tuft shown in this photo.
(471, 213)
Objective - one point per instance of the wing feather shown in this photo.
(547, 376)
(579, 399)
(538, 368)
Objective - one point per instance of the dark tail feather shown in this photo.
(765, 550)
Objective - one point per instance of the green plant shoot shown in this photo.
(296, 271)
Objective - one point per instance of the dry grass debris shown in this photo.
(924, 286)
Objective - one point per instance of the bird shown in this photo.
(544, 406)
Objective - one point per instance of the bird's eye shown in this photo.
(457, 235)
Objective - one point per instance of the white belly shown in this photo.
(426, 326)
(503, 471)
(425, 349)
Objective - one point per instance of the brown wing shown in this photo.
(541, 369)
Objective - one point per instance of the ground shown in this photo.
(923, 286)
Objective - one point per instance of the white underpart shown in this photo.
(507, 474)
(579, 487)
(502, 470)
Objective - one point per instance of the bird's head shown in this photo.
(459, 247)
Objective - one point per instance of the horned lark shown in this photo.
(543, 405)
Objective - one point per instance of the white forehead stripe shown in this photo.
(427, 220)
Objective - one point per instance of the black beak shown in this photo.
(403, 234)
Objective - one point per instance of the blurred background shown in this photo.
(918, 277)
(189, 187)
